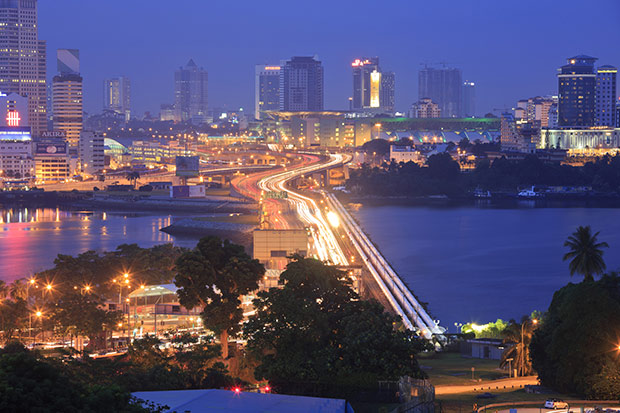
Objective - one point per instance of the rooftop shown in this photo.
(213, 400)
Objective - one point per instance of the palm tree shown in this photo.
(133, 177)
(586, 254)
(517, 356)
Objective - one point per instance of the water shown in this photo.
(30, 239)
(480, 264)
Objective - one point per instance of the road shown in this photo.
(488, 386)
(299, 210)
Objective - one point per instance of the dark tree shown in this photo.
(214, 276)
(576, 348)
(314, 336)
(586, 253)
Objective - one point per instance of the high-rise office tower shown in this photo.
(372, 88)
(442, 86)
(577, 91)
(67, 99)
(366, 83)
(267, 89)
(605, 101)
(387, 99)
(22, 58)
(190, 93)
(117, 96)
(468, 106)
(301, 84)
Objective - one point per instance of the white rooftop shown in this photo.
(214, 400)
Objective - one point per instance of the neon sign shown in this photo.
(12, 118)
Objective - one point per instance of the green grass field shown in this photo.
(452, 369)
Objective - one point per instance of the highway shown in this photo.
(326, 245)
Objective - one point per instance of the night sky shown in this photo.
(511, 49)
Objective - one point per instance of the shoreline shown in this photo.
(497, 203)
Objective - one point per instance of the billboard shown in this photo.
(188, 166)
(54, 134)
(50, 147)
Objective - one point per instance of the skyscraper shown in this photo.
(388, 87)
(577, 91)
(67, 99)
(366, 83)
(301, 84)
(190, 93)
(22, 58)
(117, 96)
(605, 114)
(267, 89)
(442, 86)
(468, 106)
(372, 88)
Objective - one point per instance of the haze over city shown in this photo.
(509, 49)
(326, 206)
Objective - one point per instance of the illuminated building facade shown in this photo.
(301, 84)
(155, 152)
(16, 159)
(117, 96)
(91, 152)
(191, 94)
(23, 58)
(372, 89)
(577, 91)
(51, 156)
(267, 89)
(605, 110)
(67, 96)
(444, 87)
(580, 139)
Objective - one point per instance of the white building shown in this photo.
(16, 159)
(91, 150)
(578, 139)
(404, 154)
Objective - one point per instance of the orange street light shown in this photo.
(38, 313)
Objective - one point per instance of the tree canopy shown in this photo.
(576, 348)
(214, 276)
(314, 335)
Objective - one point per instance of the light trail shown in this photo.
(327, 246)
(402, 300)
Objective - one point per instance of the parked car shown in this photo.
(556, 404)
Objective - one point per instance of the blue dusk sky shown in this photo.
(510, 49)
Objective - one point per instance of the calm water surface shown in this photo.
(480, 264)
(30, 239)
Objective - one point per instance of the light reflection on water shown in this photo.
(30, 238)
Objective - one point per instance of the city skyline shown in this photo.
(486, 53)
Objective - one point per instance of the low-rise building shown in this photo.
(404, 154)
(483, 348)
(51, 159)
(580, 139)
(16, 159)
(425, 108)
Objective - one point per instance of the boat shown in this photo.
(530, 194)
